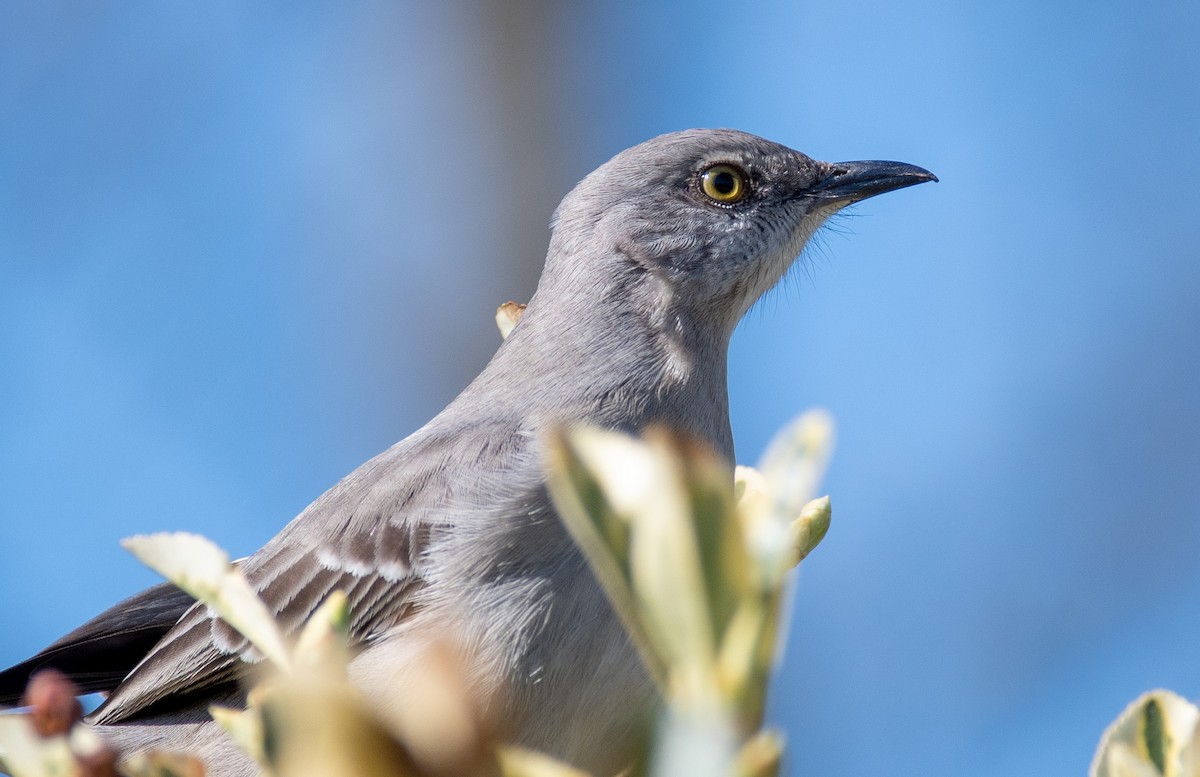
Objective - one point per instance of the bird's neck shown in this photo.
(618, 358)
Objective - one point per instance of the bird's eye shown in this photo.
(723, 183)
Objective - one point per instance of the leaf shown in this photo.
(776, 540)
(796, 460)
(750, 490)
(724, 560)
(1123, 761)
(697, 571)
(157, 763)
(696, 743)
(444, 722)
(761, 756)
(781, 489)
(519, 762)
(245, 728)
(203, 570)
(1158, 732)
(655, 519)
(598, 523)
(811, 527)
(322, 642)
(739, 662)
(325, 728)
(25, 754)
(669, 579)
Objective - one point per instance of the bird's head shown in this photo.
(704, 220)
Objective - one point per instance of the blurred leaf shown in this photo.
(203, 570)
(519, 762)
(697, 562)
(655, 519)
(326, 729)
(25, 754)
(670, 581)
(739, 662)
(761, 756)
(796, 460)
(771, 498)
(724, 561)
(768, 501)
(1124, 761)
(599, 523)
(322, 642)
(444, 723)
(1156, 735)
(750, 491)
(88, 747)
(160, 764)
(245, 728)
(695, 742)
(811, 527)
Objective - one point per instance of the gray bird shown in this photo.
(653, 260)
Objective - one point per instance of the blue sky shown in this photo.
(244, 249)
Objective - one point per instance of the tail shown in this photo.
(99, 654)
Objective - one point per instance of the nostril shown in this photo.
(839, 171)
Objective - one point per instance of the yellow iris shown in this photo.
(723, 183)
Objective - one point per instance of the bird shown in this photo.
(653, 259)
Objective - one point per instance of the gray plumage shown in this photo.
(451, 530)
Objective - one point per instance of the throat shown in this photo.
(671, 373)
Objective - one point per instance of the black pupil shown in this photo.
(724, 182)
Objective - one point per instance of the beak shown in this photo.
(854, 181)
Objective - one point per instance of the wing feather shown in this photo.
(365, 536)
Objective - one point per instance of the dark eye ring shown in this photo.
(723, 183)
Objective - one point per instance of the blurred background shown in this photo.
(244, 247)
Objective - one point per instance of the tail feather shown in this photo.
(98, 655)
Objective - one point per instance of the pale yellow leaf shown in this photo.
(1158, 730)
(322, 642)
(519, 762)
(810, 528)
(203, 570)
(244, 727)
(25, 754)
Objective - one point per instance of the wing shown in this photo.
(100, 653)
(367, 536)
